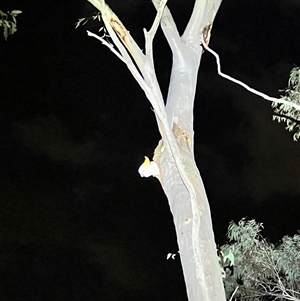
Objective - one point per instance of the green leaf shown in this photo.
(2, 14)
(13, 28)
(15, 12)
(7, 23)
(5, 32)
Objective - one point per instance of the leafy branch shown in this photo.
(9, 22)
(286, 108)
(261, 269)
(288, 114)
(83, 21)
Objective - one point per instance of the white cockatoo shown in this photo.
(148, 169)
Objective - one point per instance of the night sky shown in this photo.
(77, 221)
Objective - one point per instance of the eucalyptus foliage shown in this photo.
(285, 113)
(9, 22)
(102, 29)
(261, 270)
(83, 21)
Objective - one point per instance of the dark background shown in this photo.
(77, 221)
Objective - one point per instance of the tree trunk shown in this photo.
(192, 218)
(174, 155)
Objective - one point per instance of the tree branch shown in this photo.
(118, 32)
(277, 100)
(149, 35)
(110, 46)
(297, 122)
(203, 14)
(127, 60)
(169, 28)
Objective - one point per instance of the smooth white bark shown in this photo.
(174, 154)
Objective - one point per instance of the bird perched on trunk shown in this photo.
(148, 169)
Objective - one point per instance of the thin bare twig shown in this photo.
(277, 100)
(234, 292)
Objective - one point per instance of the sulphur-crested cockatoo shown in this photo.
(148, 169)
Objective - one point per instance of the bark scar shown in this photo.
(207, 33)
(181, 135)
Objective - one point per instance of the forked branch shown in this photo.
(203, 14)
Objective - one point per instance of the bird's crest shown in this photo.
(147, 162)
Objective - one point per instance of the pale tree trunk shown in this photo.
(174, 155)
